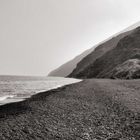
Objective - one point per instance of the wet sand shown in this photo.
(95, 109)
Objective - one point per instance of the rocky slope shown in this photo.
(127, 48)
(130, 69)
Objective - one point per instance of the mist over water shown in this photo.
(18, 88)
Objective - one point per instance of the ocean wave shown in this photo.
(6, 97)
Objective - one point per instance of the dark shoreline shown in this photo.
(15, 108)
(92, 109)
(22, 99)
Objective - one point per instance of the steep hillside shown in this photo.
(68, 67)
(87, 57)
(82, 61)
(97, 53)
(127, 48)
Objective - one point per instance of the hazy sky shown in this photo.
(36, 36)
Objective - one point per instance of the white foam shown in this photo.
(6, 97)
(58, 86)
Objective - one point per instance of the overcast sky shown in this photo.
(36, 36)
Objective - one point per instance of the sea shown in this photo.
(19, 88)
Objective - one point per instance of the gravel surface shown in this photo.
(95, 109)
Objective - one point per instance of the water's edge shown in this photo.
(9, 99)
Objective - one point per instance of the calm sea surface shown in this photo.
(18, 88)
